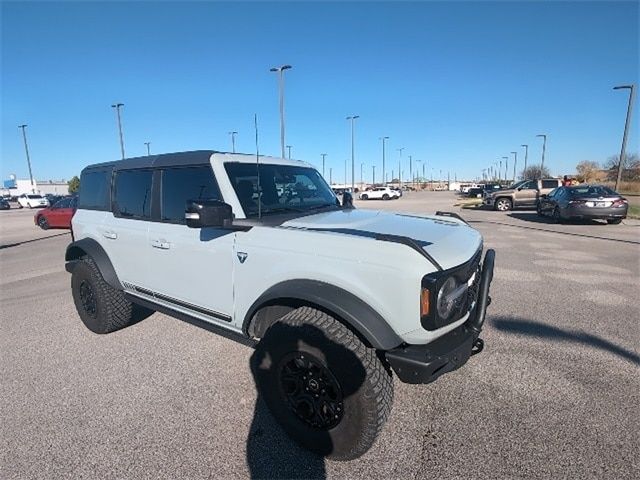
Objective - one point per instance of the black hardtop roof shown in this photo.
(196, 157)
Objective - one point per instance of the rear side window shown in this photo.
(182, 184)
(94, 190)
(549, 183)
(132, 194)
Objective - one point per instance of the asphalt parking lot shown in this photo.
(555, 393)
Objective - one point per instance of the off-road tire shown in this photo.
(112, 310)
(614, 221)
(385, 197)
(42, 223)
(364, 383)
(503, 204)
(365, 197)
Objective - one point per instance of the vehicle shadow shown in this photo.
(537, 329)
(533, 217)
(9, 245)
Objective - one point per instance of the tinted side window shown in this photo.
(94, 190)
(549, 183)
(132, 194)
(64, 203)
(531, 185)
(182, 184)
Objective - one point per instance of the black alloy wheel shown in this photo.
(385, 197)
(556, 215)
(42, 223)
(310, 390)
(88, 299)
(365, 197)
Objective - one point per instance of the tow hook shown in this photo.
(478, 346)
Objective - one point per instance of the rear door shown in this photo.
(124, 231)
(189, 268)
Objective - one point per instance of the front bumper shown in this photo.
(425, 363)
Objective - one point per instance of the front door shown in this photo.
(527, 194)
(190, 269)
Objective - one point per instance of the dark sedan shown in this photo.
(4, 205)
(584, 201)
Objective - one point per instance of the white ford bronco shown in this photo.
(258, 249)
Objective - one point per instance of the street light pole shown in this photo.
(515, 162)
(411, 171)
(352, 118)
(373, 182)
(361, 176)
(289, 151)
(384, 171)
(26, 149)
(323, 155)
(544, 148)
(626, 130)
(506, 167)
(117, 107)
(148, 149)
(330, 175)
(526, 156)
(499, 171)
(280, 70)
(400, 167)
(233, 141)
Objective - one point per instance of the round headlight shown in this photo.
(446, 302)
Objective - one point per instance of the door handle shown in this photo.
(162, 244)
(110, 234)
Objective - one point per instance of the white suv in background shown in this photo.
(380, 193)
(262, 252)
(32, 201)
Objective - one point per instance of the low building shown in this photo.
(15, 187)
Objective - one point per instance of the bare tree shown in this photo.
(630, 167)
(587, 170)
(534, 172)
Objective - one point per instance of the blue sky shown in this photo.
(458, 85)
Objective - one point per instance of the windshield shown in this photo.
(284, 188)
(517, 184)
(34, 196)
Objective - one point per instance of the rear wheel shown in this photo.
(102, 308)
(556, 215)
(385, 196)
(614, 221)
(328, 391)
(43, 223)
(503, 204)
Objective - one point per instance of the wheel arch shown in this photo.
(88, 246)
(345, 307)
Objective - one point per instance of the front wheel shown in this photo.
(539, 210)
(614, 221)
(43, 224)
(329, 392)
(503, 204)
(365, 197)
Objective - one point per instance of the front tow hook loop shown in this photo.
(478, 346)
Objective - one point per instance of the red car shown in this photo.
(57, 216)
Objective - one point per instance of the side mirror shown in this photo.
(208, 213)
(347, 200)
(519, 188)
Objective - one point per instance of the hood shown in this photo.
(449, 241)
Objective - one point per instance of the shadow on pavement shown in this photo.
(9, 245)
(535, 218)
(536, 329)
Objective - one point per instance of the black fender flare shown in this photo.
(88, 246)
(350, 309)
